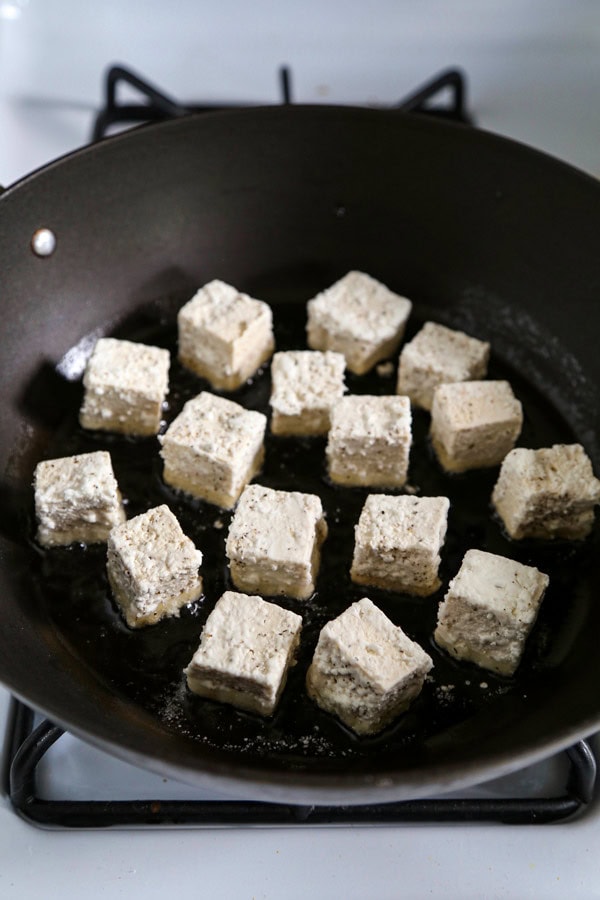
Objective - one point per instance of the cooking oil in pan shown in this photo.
(146, 665)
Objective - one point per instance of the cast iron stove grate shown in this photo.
(27, 744)
(154, 105)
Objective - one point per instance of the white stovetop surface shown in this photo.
(534, 76)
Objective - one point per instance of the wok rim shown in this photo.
(323, 789)
(420, 120)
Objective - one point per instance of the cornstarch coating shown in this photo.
(547, 493)
(474, 424)
(246, 648)
(213, 449)
(224, 335)
(489, 610)
(369, 441)
(274, 542)
(359, 317)
(152, 567)
(125, 386)
(439, 355)
(398, 542)
(76, 499)
(365, 670)
(306, 384)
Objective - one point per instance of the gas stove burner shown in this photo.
(28, 740)
(154, 105)
(27, 746)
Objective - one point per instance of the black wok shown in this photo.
(481, 233)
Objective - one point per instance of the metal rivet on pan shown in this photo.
(43, 242)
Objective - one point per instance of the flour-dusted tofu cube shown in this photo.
(474, 424)
(224, 335)
(152, 567)
(306, 384)
(439, 355)
(246, 649)
(274, 542)
(547, 493)
(213, 449)
(366, 670)
(359, 317)
(125, 387)
(489, 611)
(369, 441)
(76, 499)
(398, 542)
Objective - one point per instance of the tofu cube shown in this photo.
(359, 317)
(213, 448)
(489, 610)
(398, 542)
(474, 424)
(305, 385)
(224, 335)
(548, 493)
(365, 669)
(439, 355)
(369, 441)
(246, 649)
(274, 542)
(125, 387)
(76, 499)
(152, 567)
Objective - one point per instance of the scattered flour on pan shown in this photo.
(171, 710)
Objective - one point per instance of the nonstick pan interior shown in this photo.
(124, 689)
